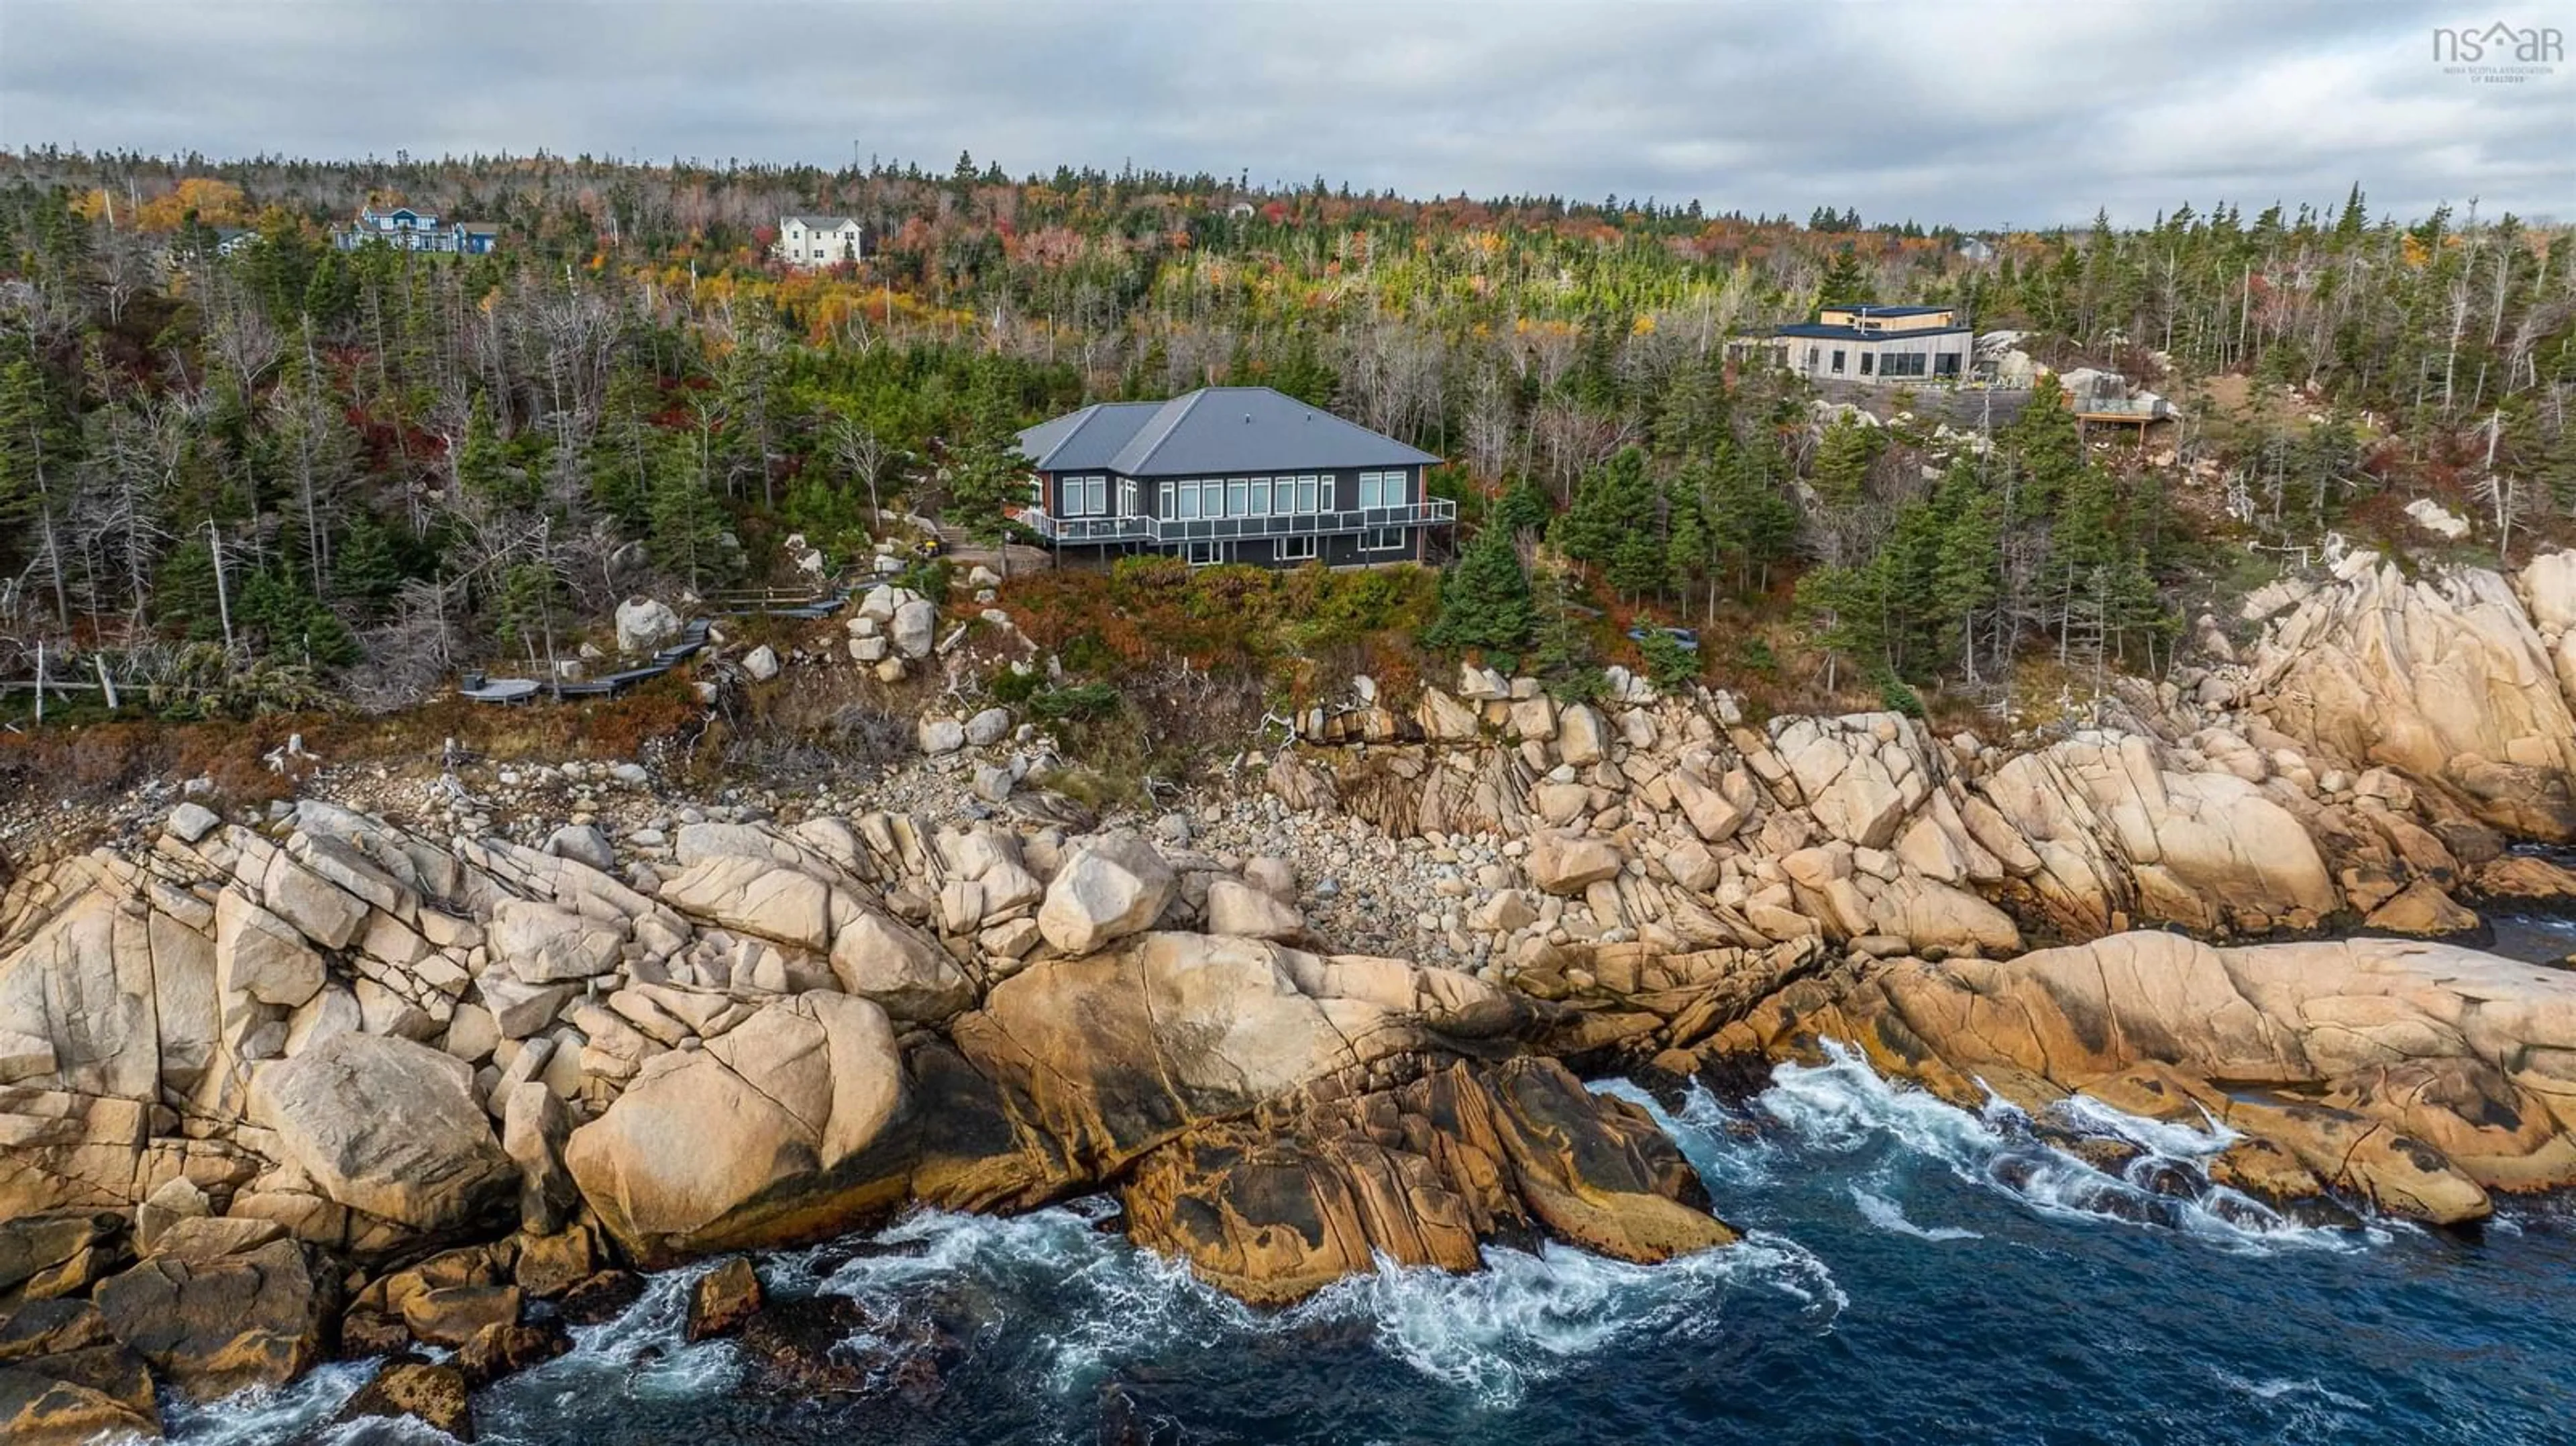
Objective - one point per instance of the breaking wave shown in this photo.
(1842, 1107)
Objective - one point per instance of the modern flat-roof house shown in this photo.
(1228, 474)
(808, 242)
(405, 229)
(1864, 343)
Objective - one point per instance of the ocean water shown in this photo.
(1911, 1273)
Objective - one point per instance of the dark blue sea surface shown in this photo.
(1911, 1273)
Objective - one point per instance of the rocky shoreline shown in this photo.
(356, 1079)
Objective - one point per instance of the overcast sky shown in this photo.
(1977, 114)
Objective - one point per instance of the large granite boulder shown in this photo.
(1274, 1207)
(1100, 1058)
(1112, 886)
(2112, 829)
(437, 1396)
(77, 1397)
(387, 1127)
(644, 624)
(760, 1138)
(2441, 676)
(1563, 862)
(1237, 908)
(913, 979)
(59, 1252)
(211, 1328)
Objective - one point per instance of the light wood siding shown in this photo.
(1931, 347)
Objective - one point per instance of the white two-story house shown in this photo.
(812, 241)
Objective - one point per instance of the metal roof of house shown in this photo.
(820, 223)
(1820, 332)
(1211, 430)
(1085, 440)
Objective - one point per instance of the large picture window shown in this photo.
(1085, 496)
(1394, 489)
(1296, 549)
(1382, 539)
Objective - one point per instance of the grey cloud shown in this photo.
(1976, 115)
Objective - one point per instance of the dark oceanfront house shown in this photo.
(1228, 474)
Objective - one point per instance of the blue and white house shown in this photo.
(406, 229)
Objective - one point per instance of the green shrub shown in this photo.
(928, 577)
(1667, 661)
(1898, 696)
(1140, 581)
(1009, 685)
(1075, 703)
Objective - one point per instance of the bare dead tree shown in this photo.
(860, 449)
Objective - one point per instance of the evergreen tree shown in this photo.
(184, 598)
(1843, 283)
(291, 625)
(1485, 599)
(2044, 445)
(1845, 611)
(1523, 507)
(1561, 649)
(686, 520)
(524, 610)
(1613, 505)
(1968, 581)
(483, 465)
(366, 574)
(1691, 551)
(986, 478)
(1844, 456)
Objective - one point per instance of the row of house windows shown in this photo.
(1088, 496)
(1894, 363)
(1248, 497)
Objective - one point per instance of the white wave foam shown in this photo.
(1526, 1317)
(1886, 1214)
(1109, 1301)
(1522, 1319)
(638, 1355)
(1719, 1142)
(2163, 1137)
(255, 1417)
(1843, 1106)
(2275, 1388)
